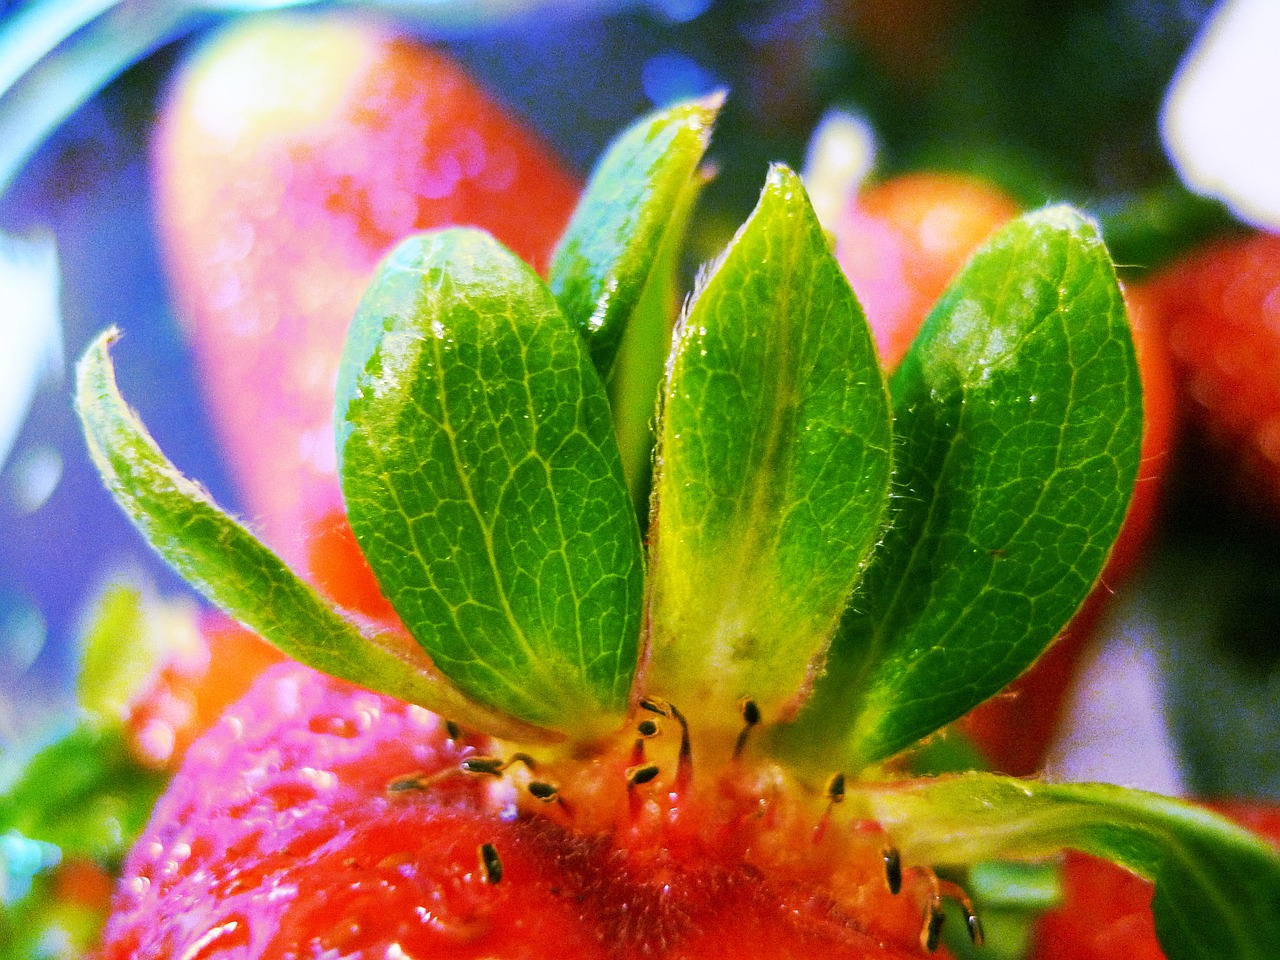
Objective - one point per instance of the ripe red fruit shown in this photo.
(900, 242)
(1106, 915)
(290, 155)
(340, 571)
(1220, 312)
(317, 819)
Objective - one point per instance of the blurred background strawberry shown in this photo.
(289, 156)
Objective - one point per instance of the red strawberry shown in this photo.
(1106, 914)
(340, 571)
(290, 155)
(1220, 309)
(901, 241)
(321, 820)
(481, 478)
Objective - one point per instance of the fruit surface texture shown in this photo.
(317, 819)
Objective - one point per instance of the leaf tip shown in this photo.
(712, 102)
(1067, 219)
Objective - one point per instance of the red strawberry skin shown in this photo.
(1220, 311)
(290, 155)
(283, 837)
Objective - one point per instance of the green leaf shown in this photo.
(1217, 886)
(614, 272)
(232, 568)
(84, 793)
(610, 250)
(1017, 425)
(483, 482)
(131, 634)
(773, 468)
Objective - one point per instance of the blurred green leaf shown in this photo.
(85, 793)
(130, 636)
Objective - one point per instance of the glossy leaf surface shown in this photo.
(484, 485)
(615, 269)
(773, 467)
(1017, 422)
(614, 244)
(233, 569)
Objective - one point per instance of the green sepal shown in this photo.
(237, 573)
(1217, 886)
(483, 482)
(615, 270)
(610, 250)
(1017, 428)
(773, 468)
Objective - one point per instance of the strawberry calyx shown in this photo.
(834, 565)
(669, 822)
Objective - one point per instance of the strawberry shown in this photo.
(1106, 915)
(338, 568)
(318, 819)
(901, 241)
(288, 157)
(1217, 308)
(693, 740)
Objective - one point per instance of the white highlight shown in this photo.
(841, 154)
(1116, 728)
(1221, 116)
(30, 328)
